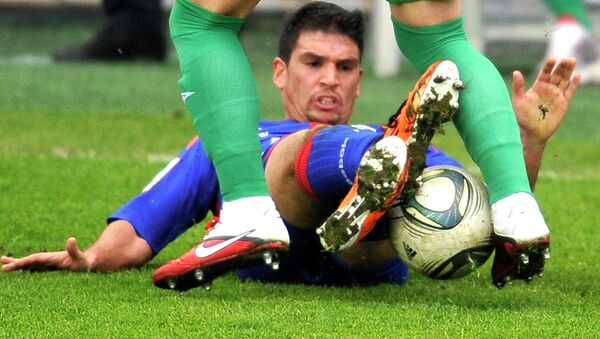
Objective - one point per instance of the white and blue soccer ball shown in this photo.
(445, 230)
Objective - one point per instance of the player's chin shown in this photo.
(327, 117)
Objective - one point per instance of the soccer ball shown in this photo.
(445, 230)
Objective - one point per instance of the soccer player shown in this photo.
(430, 30)
(169, 203)
(572, 37)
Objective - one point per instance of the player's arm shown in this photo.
(118, 247)
(541, 109)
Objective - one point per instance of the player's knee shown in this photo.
(424, 12)
(301, 159)
(293, 201)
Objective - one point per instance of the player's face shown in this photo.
(322, 79)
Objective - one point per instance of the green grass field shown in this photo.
(78, 140)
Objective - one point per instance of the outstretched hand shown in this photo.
(543, 107)
(72, 259)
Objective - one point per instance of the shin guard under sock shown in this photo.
(218, 89)
(485, 120)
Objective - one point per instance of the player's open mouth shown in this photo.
(327, 102)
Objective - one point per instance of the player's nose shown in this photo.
(329, 75)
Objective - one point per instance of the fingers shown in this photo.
(518, 84)
(13, 264)
(41, 261)
(72, 249)
(546, 71)
(561, 76)
(575, 81)
(78, 259)
(7, 263)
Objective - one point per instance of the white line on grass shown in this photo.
(587, 173)
(582, 174)
(68, 152)
(27, 59)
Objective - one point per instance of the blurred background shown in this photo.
(50, 62)
(513, 33)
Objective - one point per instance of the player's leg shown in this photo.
(572, 37)
(484, 104)
(325, 167)
(333, 160)
(297, 204)
(397, 159)
(308, 173)
(485, 121)
(218, 89)
(180, 196)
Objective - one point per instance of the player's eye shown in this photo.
(346, 66)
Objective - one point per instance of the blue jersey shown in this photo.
(270, 132)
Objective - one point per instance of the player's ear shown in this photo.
(359, 81)
(279, 72)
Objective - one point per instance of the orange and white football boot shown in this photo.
(393, 164)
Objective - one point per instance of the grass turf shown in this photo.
(76, 141)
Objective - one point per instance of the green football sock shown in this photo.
(485, 120)
(218, 88)
(574, 8)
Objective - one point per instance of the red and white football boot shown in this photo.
(393, 164)
(523, 239)
(227, 245)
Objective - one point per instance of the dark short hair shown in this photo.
(321, 16)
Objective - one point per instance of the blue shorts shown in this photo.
(183, 193)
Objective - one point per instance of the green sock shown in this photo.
(218, 88)
(485, 120)
(574, 8)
